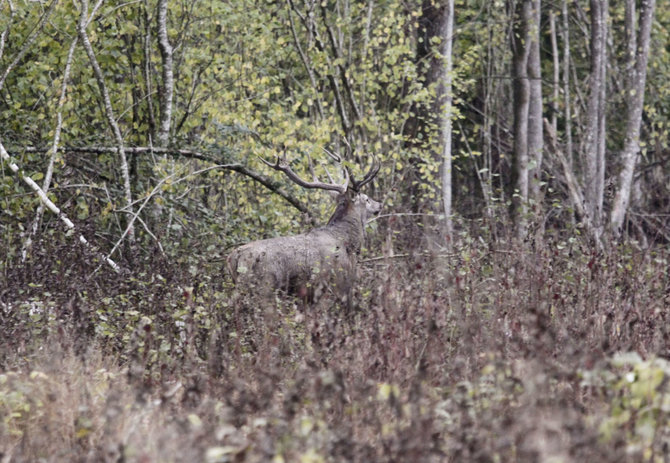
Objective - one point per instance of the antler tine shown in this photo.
(282, 165)
(338, 159)
(372, 173)
(334, 156)
(311, 169)
(274, 165)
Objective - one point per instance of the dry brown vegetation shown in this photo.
(483, 354)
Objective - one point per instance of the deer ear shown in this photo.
(334, 195)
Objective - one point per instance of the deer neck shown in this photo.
(347, 225)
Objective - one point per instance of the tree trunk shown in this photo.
(594, 145)
(447, 42)
(109, 113)
(638, 53)
(521, 51)
(535, 135)
(167, 90)
(566, 83)
(423, 131)
(556, 81)
(53, 151)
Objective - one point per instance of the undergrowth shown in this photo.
(557, 353)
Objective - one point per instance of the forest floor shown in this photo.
(558, 354)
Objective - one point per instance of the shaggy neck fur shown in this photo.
(347, 223)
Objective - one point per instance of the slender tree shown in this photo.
(637, 57)
(167, 89)
(109, 112)
(447, 41)
(425, 130)
(565, 81)
(594, 136)
(535, 135)
(521, 91)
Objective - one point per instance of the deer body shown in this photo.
(327, 255)
(301, 263)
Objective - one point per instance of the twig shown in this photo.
(402, 214)
(402, 256)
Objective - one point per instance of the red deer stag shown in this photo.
(323, 256)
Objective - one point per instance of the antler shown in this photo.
(282, 165)
(372, 173)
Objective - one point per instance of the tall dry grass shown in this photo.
(480, 354)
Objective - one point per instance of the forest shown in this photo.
(507, 287)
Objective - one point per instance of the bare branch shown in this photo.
(156, 188)
(343, 72)
(267, 182)
(308, 23)
(574, 188)
(305, 60)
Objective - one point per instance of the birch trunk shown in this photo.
(556, 81)
(109, 113)
(447, 42)
(535, 135)
(566, 83)
(638, 54)
(53, 150)
(167, 91)
(594, 135)
(521, 51)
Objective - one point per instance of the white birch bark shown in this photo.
(521, 88)
(638, 54)
(446, 130)
(167, 91)
(53, 150)
(109, 112)
(594, 135)
(535, 135)
(49, 204)
(566, 83)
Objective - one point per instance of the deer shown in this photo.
(322, 258)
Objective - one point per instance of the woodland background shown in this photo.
(512, 301)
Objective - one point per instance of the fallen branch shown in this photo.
(51, 206)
